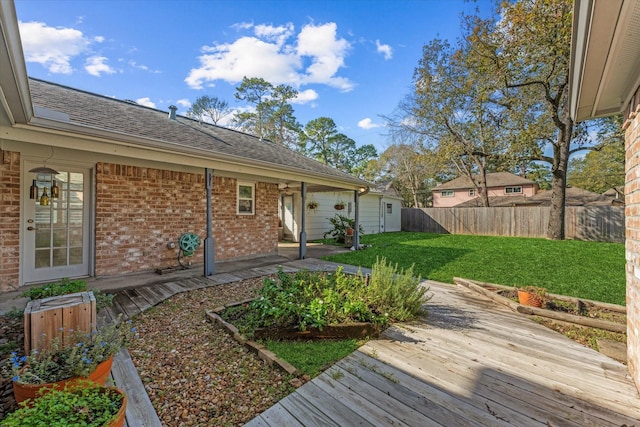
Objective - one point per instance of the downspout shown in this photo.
(303, 230)
(356, 231)
(209, 258)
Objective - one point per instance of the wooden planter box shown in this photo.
(45, 319)
(353, 330)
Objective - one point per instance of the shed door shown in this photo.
(56, 234)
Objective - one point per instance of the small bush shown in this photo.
(340, 223)
(65, 286)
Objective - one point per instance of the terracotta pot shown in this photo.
(528, 298)
(349, 231)
(118, 421)
(23, 391)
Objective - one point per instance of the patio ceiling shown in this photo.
(605, 56)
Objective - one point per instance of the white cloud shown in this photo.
(146, 101)
(98, 39)
(277, 34)
(184, 103)
(327, 54)
(54, 48)
(95, 65)
(367, 124)
(142, 67)
(384, 49)
(305, 97)
(315, 57)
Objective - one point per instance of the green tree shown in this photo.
(599, 170)
(272, 116)
(321, 140)
(409, 169)
(456, 112)
(528, 49)
(212, 108)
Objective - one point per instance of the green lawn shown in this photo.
(591, 270)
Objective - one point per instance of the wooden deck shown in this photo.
(469, 362)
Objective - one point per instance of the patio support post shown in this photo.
(303, 230)
(356, 227)
(209, 258)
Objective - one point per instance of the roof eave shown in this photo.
(122, 139)
(14, 86)
(604, 57)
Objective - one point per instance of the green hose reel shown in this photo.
(188, 243)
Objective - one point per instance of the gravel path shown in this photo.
(195, 373)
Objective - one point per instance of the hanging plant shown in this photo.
(339, 205)
(312, 205)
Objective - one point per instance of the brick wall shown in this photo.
(632, 213)
(9, 220)
(139, 210)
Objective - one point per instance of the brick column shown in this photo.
(9, 220)
(632, 214)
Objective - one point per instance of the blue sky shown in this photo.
(351, 60)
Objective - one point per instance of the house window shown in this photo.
(389, 208)
(472, 192)
(446, 193)
(246, 198)
(510, 190)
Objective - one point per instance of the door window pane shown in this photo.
(42, 258)
(43, 237)
(75, 237)
(60, 237)
(75, 256)
(59, 257)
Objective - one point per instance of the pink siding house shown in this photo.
(499, 184)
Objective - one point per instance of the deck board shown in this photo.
(140, 412)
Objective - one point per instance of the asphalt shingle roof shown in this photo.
(130, 119)
(496, 179)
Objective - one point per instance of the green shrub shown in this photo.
(64, 287)
(397, 293)
(86, 404)
(340, 223)
(306, 299)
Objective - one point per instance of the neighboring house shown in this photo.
(379, 211)
(499, 184)
(605, 80)
(130, 180)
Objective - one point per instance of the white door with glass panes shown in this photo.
(56, 224)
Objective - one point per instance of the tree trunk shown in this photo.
(555, 229)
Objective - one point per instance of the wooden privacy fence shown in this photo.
(596, 223)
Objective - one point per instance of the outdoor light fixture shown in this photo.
(33, 190)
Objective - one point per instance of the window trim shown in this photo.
(515, 189)
(252, 199)
(449, 193)
(472, 192)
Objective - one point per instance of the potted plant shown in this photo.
(339, 205)
(84, 403)
(532, 295)
(79, 356)
(312, 204)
